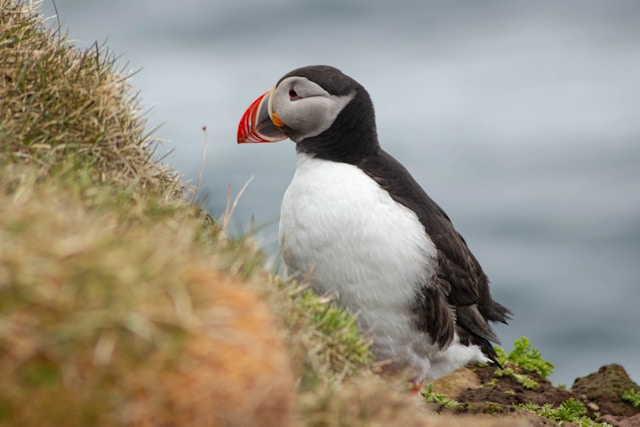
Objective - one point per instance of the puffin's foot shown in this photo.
(387, 369)
(416, 386)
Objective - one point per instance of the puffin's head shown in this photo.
(305, 103)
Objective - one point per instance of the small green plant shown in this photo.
(524, 380)
(571, 410)
(525, 357)
(632, 396)
(439, 398)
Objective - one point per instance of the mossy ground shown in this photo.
(523, 385)
(122, 303)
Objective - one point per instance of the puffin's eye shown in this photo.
(293, 95)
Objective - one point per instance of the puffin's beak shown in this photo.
(257, 124)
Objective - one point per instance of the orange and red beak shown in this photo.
(259, 123)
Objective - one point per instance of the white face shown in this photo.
(305, 107)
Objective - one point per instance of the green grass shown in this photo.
(334, 346)
(570, 411)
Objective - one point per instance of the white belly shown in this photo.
(349, 238)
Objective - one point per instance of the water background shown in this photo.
(521, 119)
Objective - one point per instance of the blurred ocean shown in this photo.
(521, 119)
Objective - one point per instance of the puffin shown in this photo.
(358, 227)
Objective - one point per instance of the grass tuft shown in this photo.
(58, 101)
(571, 411)
(332, 346)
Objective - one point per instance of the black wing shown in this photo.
(461, 299)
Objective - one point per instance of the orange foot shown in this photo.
(416, 386)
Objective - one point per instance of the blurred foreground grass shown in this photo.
(122, 303)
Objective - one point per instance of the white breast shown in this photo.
(343, 232)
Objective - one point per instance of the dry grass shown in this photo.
(112, 322)
(56, 100)
(121, 303)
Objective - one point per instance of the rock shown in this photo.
(633, 421)
(605, 388)
(456, 383)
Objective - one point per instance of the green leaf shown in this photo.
(632, 396)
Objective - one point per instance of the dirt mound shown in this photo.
(596, 398)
